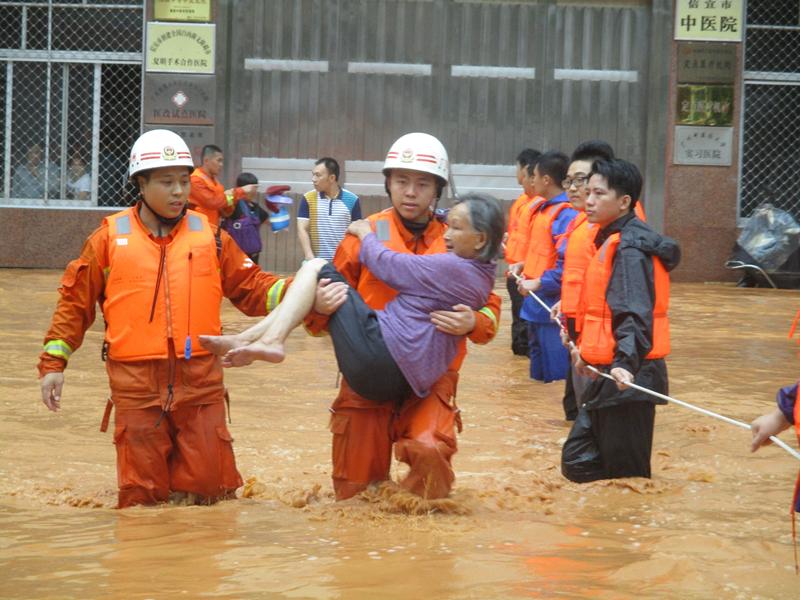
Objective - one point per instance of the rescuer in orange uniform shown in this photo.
(159, 274)
(519, 221)
(422, 430)
(543, 266)
(207, 195)
(579, 249)
(624, 330)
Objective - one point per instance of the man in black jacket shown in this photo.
(625, 332)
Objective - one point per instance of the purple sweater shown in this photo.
(424, 284)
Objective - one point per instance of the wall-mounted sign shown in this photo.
(181, 99)
(710, 105)
(711, 20)
(180, 48)
(706, 62)
(195, 137)
(182, 10)
(711, 146)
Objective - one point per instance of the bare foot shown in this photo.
(244, 355)
(220, 344)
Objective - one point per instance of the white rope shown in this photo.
(778, 442)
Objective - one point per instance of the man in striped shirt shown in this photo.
(325, 212)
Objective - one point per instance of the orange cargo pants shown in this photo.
(422, 432)
(190, 451)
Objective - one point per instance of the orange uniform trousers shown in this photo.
(422, 430)
(190, 451)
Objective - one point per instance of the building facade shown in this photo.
(277, 83)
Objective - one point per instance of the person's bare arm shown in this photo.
(304, 238)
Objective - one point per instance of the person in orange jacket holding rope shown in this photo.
(624, 331)
(577, 253)
(159, 273)
(422, 430)
(519, 222)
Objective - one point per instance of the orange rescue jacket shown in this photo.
(519, 223)
(597, 343)
(156, 292)
(207, 196)
(579, 251)
(541, 255)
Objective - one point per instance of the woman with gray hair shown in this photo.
(388, 354)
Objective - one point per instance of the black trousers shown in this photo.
(612, 442)
(519, 328)
(569, 401)
(361, 352)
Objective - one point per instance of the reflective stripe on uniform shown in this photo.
(124, 225)
(195, 223)
(274, 294)
(488, 312)
(58, 348)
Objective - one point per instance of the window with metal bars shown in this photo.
(70, 79)
(771, 115)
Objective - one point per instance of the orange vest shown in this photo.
(519, 222)
(219, 190)
(189, 291)
(541, 254)
(638, 209)
(579, 251)
(597, 343)
(385, 224)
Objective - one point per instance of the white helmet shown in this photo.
(418, 152)
(159, 148)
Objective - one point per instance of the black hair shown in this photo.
(592, 150)
(246, 179)
(553, 164)
(331, 164)
(621, 176)
(209, 150)
(487, 217)
(528, 157)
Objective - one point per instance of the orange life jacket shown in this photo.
(386, 225)
(579, 251)
(519, 224)
(541, 254)
(597, 343)
(189, 288)
(219, 190)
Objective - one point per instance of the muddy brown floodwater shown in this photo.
(712, 523)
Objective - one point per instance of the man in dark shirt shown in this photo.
(624, 332)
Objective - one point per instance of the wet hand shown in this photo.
(765, 426)
(581, 368)
(329, 296)
(529, 285)
(360, 228)
(555, 312)
(459, 321)
(623, 377)
(515, 269)
(51, 385)
(565, 338)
